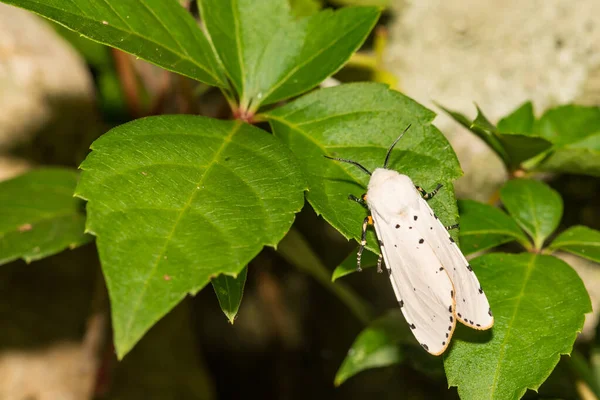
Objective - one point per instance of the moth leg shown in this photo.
(450, 227)
(363, 241)
(379, 262)
(429, 195)
(362, 200)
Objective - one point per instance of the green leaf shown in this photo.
(229, 291)
(305, 8)
(39, 215)
(177, 200)
(539, 304)
(519, 121)
(512, 147)
(348, 266)
(271, 56)
(360, 121)
(579, 240)
(535, 206)
(575, 132)
(581, 157)
(161, 32)
(483, 226)
(376, 346)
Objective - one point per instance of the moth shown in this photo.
(434, 284)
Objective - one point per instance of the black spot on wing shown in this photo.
(421, 241)
(435, 215)
(415, 218)
(441, 268)
(490, 312)
(451, 240)
(425, 346)
(450, 308)
(459, 316)
(451, 318)
(480, 291)
(410, 227)
(469, 267)
(447, 336)
(452, 293)
(381, 243)
(443, 343)
(397, 226)
(401, 303)
(412, 326)
(450, 328)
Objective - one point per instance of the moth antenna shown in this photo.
(349, 162)
(387, 156)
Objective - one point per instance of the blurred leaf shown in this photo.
(229, 291)
(359, 121)
(39, 215)
(376, 346)
(348, 266)
(569, 123)
(512, 147)
(539, 304)
(305, 8)
(271, 56)
(161, 32)
(535, 206)
(575, 132)
(581, 157)
(483, 226)
(579, 240)
(483, 129)
(376, 3)
(521, 120)
(177, 200)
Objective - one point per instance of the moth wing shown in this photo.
(472, 306)
(423, 290)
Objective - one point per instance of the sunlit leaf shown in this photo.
(579, 240)
(177, 200)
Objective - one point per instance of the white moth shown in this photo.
(433, 282)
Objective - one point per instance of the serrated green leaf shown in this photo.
(177, 200)
(483, 129)
(579, 240)
(359, 121)
(513, 147)
(575, 132)
(376, 346)
(519, 121)
(539, 304)
(229, 291)
(348, 266)
(271, 56)
(161, 32)
(39, 216)
(535, 206)
(483, 226)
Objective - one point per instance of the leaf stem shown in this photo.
(297, 252)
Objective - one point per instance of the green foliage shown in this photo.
(564, 139)
(483, 226)
(158, 31)
(535, 206)
(229, 291)
(376, 346)
(177, 200)
(271, 56)
(359, 122)
(512, 147)
(539, 304)
(579, 240)
(39, 216)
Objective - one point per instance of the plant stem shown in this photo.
(297, 252)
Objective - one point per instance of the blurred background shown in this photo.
(60, 91)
